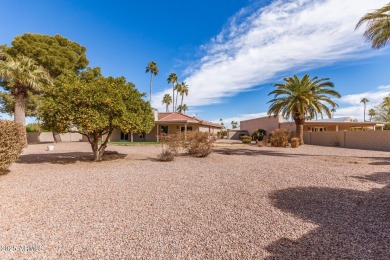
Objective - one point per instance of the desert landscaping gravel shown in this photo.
(241, 202)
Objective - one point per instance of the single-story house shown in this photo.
(270, 123)
(168, 123)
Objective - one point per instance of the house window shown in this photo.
(124, 136)
(142, 136)
(164, 129)
(319, 129)
(183, 128)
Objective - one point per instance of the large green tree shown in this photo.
(172, 78)
(299, 98)
(56, 54)
(153, 70)
(94, 106)
(21, 76)
(378, 26)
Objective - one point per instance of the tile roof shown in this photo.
(175, 116)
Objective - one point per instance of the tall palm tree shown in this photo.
(296, 96)
(21, 75)
(182, 108)
(183, 91)
(153, 69)
(371, 113)
(364, 101)
(167, 100)
(172, 78)
(178, 90)
(378, 26)
(333, 110)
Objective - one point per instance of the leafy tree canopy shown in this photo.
(56, 54)
(94, 106)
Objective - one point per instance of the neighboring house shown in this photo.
(168, 123)
(270, 123)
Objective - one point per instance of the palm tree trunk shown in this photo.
(177, 94)
(181, 104)
(20, 108)
(173, 97)
(299, 132)
(364, 116)
(151, 75)
(167, 108)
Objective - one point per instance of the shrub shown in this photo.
(33, 127)
(295, 142)
(12, 141)
(279, 137)
(246, 139)
(199, 144)
(259, 134)
(166, 156)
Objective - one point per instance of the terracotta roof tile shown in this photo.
(182, 117)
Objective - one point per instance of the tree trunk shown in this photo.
(20, 108)
(173, 97)
(181, 104)
(151, 75)
(167, 108)
(177, 94)
(299, 132)
(98, 152)
(56, 137)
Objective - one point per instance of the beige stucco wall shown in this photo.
(266, 123)
(236, 134)
(35, 137)
(371, 140)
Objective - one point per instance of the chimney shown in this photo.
(155, 112)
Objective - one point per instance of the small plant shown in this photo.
(166, 156)
(12, 141)
(295, 142)
(173, 141)
(259, 135)
(279, 137)
(246, 139)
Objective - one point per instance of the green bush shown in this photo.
(12, 141)
(295, 142)
(259, 134)
(246, 139)
(279, 137)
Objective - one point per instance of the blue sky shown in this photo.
(229, 52)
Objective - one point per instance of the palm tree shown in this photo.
(333, 111)
(178, 90)
(172, 78)
(183, 91)
(182, 108)
(364, 101)
(296, 96)
(153, 69)
(371, 113)
(21, 75)
(167, 100)
(378, 26)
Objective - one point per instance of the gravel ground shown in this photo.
(241, 202)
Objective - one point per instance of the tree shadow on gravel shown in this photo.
(352, 224)
(250, 152)
(67, 158)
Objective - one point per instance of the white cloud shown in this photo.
(374, 97)
(292, 35)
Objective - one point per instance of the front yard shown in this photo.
(240, 202)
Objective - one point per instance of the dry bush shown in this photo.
(166, 156)
(199, 144)
(12, 142)
(279, 137)
(173, 141)
(295, 142)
